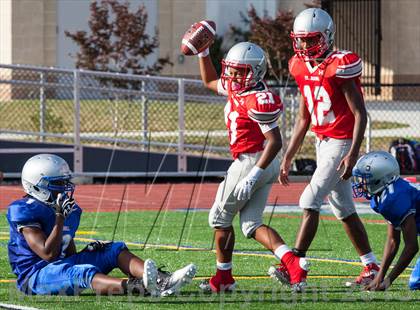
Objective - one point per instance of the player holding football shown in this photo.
(251, 115)
(332, 102)
(376, 177)
(42, 252)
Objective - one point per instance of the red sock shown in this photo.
(288, 258)
(224, 274)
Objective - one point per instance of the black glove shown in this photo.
(64, 205)
(96, 246)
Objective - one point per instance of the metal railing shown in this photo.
(162, 114)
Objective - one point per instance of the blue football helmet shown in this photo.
(373, 172)
(44, 176)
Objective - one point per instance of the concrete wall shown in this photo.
(401, 39)
(175, 17)
(32, 31)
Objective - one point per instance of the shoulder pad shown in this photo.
(264, 107)
(25, 210)
(293, 63)
(349, 65)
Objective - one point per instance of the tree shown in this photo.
(117, 41)
(272, 34)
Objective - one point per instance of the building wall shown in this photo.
(401, 39)
(6, 31)
(175, 17)
(32, 31)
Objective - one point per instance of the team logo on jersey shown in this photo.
(311, 78)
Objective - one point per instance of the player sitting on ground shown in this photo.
(42, 252)
(376, 177)
(251, 115)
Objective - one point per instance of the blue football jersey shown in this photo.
(31, 212)
(397, 201)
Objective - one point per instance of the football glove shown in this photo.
(64, 205)
(244, 188)
(97, 245)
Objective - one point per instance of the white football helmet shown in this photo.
(313, 23)
(373, 172)
(246, 57)
(46, 175)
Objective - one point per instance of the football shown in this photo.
(198, 37)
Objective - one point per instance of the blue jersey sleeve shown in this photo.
(24, 213)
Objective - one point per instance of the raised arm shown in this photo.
(207, 71)
(47, 248)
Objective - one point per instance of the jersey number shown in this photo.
(233, 125)
(264, 98)
(323, 114)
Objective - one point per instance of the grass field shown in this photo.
(333, 261)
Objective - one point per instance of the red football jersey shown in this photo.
(321, 89)
(247, 115)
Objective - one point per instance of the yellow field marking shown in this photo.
(270, 256)
(79, 232)
(309, 276)
(7, 280)
(86, 232)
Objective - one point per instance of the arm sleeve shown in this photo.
(23, 216)
(267, 127)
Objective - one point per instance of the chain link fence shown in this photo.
(161, 114)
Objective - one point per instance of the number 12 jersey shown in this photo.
(320, 86)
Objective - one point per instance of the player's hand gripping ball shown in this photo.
(198, 37)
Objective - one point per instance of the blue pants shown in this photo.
(414, 282)
(70, 275)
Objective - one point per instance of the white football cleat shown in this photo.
(150, 275)
(170, 283)
(280, 274)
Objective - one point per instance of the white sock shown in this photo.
(224, 266)
(368, 258)
(281, 250)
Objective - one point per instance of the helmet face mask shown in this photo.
(373, 173)
(248, 61)
(360, 185)
(44, 176)
(312, 52)
(240, 82)
(315, 25)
